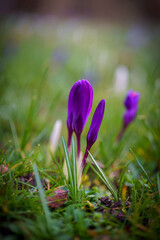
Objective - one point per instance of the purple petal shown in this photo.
(88, 99)
(131, 104)
(78, 124)
(71, 105)
(95, 124)
(129, 116)
(69, 121)
(132, 99)
(71, 95)
(79, 104)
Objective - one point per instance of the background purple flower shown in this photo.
(132, 99)
(129, 116)
(131, 104)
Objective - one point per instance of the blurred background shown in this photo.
(104, 9)
(47, 45)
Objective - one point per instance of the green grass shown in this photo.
(39, 62)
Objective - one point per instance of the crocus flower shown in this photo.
(79, 107)
(94, 128)
(131, 105)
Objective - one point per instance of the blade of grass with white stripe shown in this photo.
(105, 179)
(42, 195)
(96, 172)
(142, 168)
(69, 164)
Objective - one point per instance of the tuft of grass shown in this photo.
(104, 179)
(72, 172)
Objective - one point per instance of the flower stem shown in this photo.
(70, 132)
(85, 157)
(78, 145)
(120, 135)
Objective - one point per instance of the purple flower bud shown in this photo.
(79, 107)
(131, 104)
(94, 128)
(131, 100)
(129, 116)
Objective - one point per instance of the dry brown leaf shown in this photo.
(3, 168)
(58, 199)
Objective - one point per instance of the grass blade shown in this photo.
(68, 161)
(158, 184)
(121, 181)
(84, 173)
(60, 157)
(40, 88)
(28, 125)
(134, 189)
(14, 133)
(107, 182)
(98, 174)
(142, 168)
(60, 168)
(74, 170)
(42, 195)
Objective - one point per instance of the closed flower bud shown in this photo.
(94, 128)
(131, 100)
(79, 107)
(131, 105)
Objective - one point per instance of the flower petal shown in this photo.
(95, 124)
(79, 105)
(132, 99)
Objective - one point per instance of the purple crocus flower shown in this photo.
(132, 100)
(79, 107)
(94, 128)
(131, 105)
